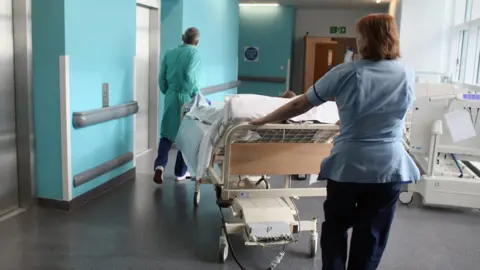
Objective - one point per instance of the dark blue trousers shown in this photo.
(162, 158)
(369, 210)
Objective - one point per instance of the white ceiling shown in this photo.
(326, 3)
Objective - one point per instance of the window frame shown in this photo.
(462, 55)
(477, 58)
(468, 10)
(460, 65)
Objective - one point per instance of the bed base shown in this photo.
(283, 149)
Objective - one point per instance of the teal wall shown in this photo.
(99, 37)
(218, 22)
(101, 50)
(171, 35)
(271, 29)
(171, 25)
(48, 44)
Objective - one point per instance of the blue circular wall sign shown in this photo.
(251, 53)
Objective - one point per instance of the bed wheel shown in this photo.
(223, 250)
(218, 191)
(406, 197)
(196, 198)
(313, 248)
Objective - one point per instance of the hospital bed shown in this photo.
(241, 157)
(427, 84)
(436, 137)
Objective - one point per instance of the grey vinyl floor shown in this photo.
(141, 226)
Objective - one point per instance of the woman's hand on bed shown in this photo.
(295, 107)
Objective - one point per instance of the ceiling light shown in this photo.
(258, 5)
(379, 1)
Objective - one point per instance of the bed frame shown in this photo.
(281, 149)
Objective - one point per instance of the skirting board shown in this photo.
(89, 195)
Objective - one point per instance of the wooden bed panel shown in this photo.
(277, 158)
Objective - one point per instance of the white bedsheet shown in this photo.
(189, 140)
(248, 107)
(204, 125)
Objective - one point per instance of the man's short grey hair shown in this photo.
(191, 35)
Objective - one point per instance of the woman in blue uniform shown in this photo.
(368, 163)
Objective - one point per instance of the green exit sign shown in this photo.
(338, 30)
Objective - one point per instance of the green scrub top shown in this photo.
(178, 81)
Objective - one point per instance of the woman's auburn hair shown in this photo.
(379, 33)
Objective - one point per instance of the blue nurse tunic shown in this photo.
(372, 98)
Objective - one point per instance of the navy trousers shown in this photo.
(162, 158)
(369, 210)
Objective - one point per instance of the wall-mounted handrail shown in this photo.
(262, 79)
(101, 169)
(88, 118)
(220, 87)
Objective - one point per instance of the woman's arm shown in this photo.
(323, 90)
(294, 108)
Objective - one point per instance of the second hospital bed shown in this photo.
(237, 158)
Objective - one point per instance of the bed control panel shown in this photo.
(269, 232)
(471, 97)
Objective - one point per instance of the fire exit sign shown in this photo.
(338, 30)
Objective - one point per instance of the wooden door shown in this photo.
(325, 53)
(318, 65)
(310, 59)
(342, 46)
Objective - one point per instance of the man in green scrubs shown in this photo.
(178, 81)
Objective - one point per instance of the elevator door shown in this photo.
(143, 78)
(8, 148)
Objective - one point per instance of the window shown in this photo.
(464, 61)
(475, 14)
(477, 79)
(468, 11)
(461, 11)
(461, 60)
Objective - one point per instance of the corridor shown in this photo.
(141, 226)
